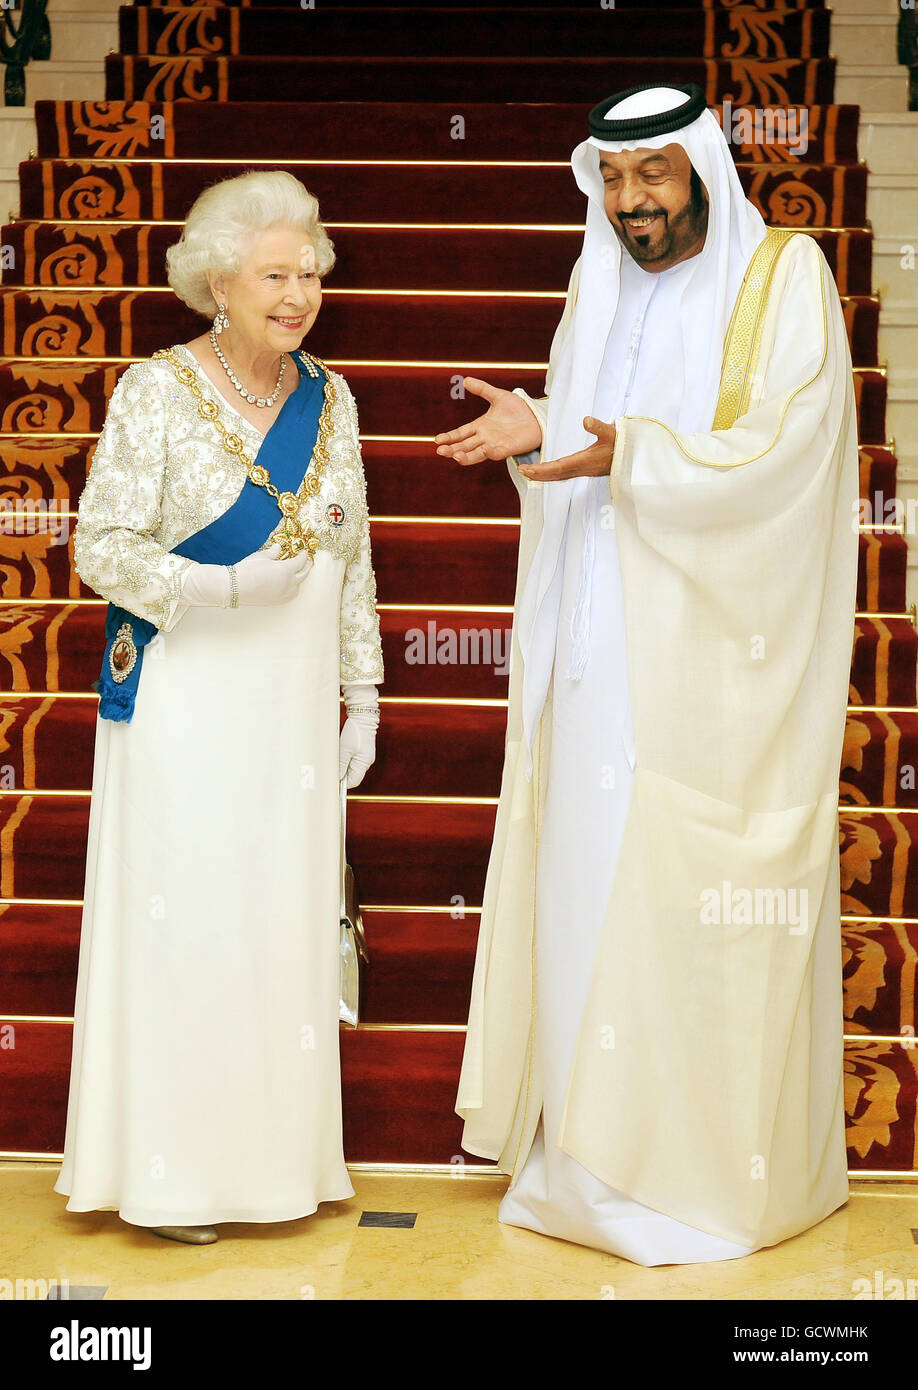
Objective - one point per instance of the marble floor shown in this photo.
(454, 1249)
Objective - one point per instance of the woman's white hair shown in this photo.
(223, 223)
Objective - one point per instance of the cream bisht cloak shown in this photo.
(707, 1081)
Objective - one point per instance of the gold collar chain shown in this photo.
(294, 537)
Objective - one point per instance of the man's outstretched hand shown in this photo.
(588, 463)
(507, 427)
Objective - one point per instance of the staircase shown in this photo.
(448, 194)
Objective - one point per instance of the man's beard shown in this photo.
(670, 238)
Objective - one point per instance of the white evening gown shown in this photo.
(205, 1084)
(583, 821)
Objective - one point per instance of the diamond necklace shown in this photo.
(253, 400)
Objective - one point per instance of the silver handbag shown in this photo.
(353, 941)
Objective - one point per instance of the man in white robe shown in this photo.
(655, 1039)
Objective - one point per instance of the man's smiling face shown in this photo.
(656, 203)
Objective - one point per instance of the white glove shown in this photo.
(262, 577)
(357, 746)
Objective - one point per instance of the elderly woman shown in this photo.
(225, 520)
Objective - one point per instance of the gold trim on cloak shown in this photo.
(744, 332)
(754, 329)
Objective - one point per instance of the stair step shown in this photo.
(87, 35)
(880, 759)
(877, 480)
(877, 86)
(861, 39)
(429, 750)
(892, 206)
(882, 568)
(871, 389)
(897, 339)
(850, 7)
(386, 1121)
(879, 977)
(39, 953)
(404, 478)
(879, 859)
(58, 647)
(540, 131)
(887, 141)
(452, 191)
(883, 664)
(112, 253)
(434, 750)
(893, 268)
(125, 323)
(881, 1090)
(422, 562)
(82, 78)
(203, 78)
(401, 399)
(463, 33)
(427, 853)
(421, 965)
(420, 971)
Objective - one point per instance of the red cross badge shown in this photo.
(335, 514)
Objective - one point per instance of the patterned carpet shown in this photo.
(449, 198)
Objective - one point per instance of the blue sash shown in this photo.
(242, 529)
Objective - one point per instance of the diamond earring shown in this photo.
(221, 319)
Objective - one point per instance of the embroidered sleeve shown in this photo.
(361, 647)
(116, 546)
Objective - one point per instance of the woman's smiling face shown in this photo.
(273, 299)
(658, 210)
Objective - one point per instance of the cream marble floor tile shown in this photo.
(457, 1250)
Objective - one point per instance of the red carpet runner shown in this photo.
(456, 222)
